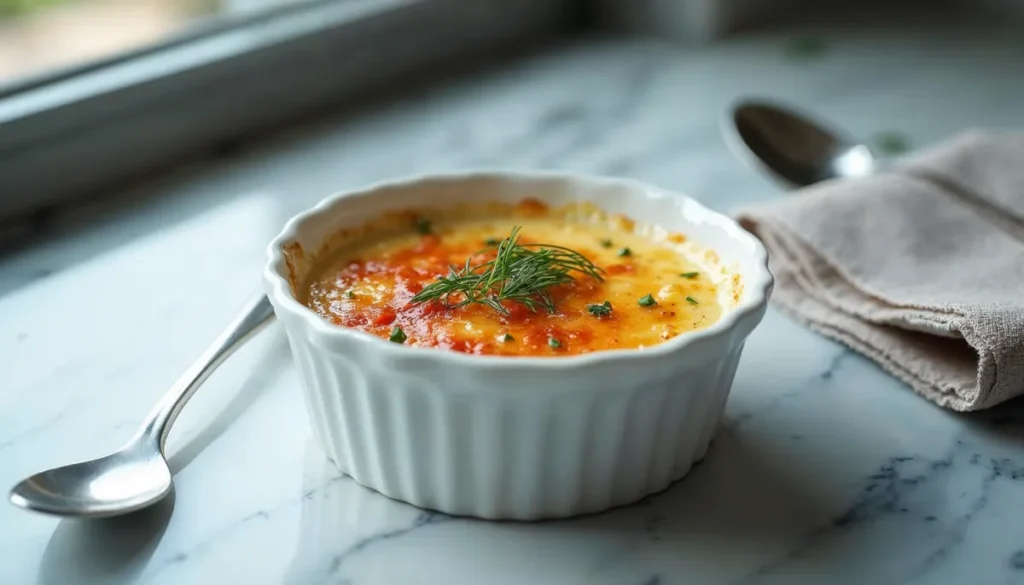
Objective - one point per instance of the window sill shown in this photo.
(83, 134)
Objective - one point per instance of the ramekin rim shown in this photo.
(759, 284)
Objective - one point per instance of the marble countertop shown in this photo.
(826, 470)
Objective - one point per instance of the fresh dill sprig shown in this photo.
(519, 273)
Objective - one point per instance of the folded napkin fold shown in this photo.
(920, 268)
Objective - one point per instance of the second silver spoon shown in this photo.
(793, 146)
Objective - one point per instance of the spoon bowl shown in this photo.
(130, 479)
(797, 149)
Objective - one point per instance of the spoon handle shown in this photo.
(256, 315)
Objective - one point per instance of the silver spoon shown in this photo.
(137, 475)
(795, 148)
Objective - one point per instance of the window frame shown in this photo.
(79, 132)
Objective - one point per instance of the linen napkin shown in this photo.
(920, 268)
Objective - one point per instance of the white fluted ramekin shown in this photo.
(515, 437)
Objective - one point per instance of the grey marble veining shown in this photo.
(826, 471)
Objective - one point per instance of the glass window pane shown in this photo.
(38, 37)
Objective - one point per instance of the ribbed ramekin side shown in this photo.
(306, 359)
(590, 452)
(364, 427)
(522, 456)
(392, 432)
(663, 433)
(719, 391)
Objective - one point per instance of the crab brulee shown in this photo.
(520, 280)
